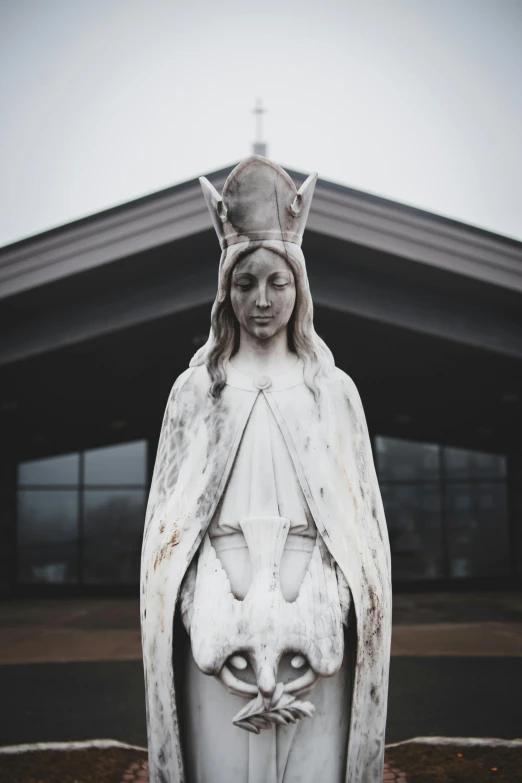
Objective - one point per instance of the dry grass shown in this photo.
(68, 766)
(422, 763)
(453, 764)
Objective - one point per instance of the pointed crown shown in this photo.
(259, 201)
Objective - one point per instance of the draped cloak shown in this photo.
(328, 442)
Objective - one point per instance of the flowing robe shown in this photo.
(328, 444)
(263, 482)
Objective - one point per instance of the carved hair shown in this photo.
(223, 339)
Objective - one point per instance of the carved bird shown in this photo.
(264, 626)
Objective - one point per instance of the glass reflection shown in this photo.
(477, 529)
(413, 515)
(48, 518)
(463, 464)
(402, 460)
(113, 528)
(470, 492)
(48, 536)
(125, 464)
(57, 471)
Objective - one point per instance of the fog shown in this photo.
(105, 101)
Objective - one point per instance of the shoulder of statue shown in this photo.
(347, 384)
(183, 378)
(193, 379)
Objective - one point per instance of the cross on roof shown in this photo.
(259, 146)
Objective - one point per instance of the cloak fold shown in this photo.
(330, 449)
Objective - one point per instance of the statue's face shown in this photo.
(262, 293)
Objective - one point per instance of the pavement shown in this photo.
(429, 624)
(71, 669)
(66, 630)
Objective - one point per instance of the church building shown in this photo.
(98, 317)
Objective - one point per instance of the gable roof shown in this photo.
(337, 211)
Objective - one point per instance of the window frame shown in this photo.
(79, 488)
(443, 481)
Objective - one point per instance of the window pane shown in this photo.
(403, 460)
(113, 528)
(53, 470)
(48, 535)
(461, 463)
(414, 527)
(124, 464)
(477, 529)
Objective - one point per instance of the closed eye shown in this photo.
(279, 283)
(244, 282)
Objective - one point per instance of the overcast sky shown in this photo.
(103, 101)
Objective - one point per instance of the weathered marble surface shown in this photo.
(273, 209)
(280, 625)
(341, 489)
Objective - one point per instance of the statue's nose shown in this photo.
(262, 299)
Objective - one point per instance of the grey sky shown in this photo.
(415, 100)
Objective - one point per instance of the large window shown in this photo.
(80, 516)
(446, 510)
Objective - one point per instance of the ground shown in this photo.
(71, 669)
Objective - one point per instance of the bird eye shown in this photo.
(238, 662)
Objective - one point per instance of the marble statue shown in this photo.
(265, 590)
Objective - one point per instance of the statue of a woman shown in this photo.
(266, 606)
